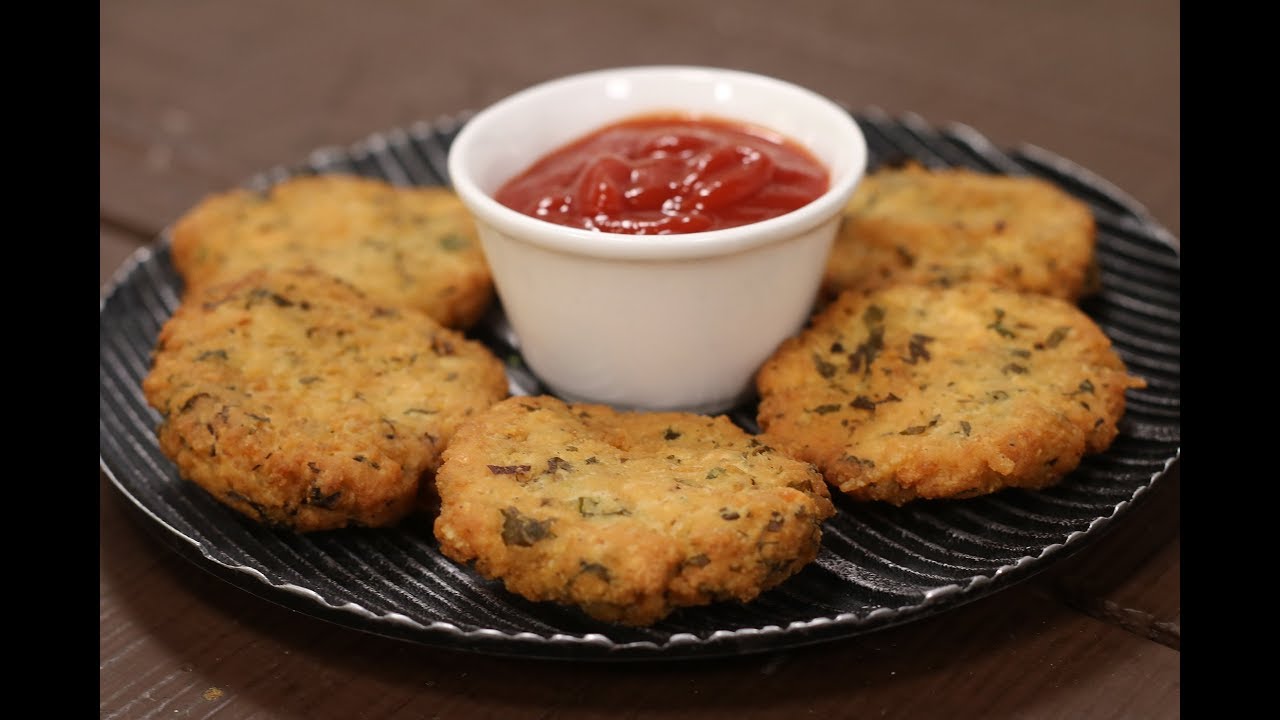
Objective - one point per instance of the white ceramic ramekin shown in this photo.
(643, 322)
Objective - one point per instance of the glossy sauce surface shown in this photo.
(666, 174)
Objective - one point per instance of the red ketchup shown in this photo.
(665, 174)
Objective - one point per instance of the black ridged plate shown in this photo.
(879, 566)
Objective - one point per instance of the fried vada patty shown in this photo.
(910, 224)
(917, 392)
(403, 246)
(292, 397)
(627, 515)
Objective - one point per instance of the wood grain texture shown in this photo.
(1132, 577)
(197, 96)
(176, 640)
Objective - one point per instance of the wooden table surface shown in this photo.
(198, 95)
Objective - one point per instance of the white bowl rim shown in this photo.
(674, 246)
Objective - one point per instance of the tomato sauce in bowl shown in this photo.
(662, 174)
(655, 232)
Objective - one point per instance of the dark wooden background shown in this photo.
(198, 95)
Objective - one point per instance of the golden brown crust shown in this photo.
(291, 397)
(626, 515)
(917, 392)
(942, 227)
(403, 246)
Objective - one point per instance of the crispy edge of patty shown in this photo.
(912, 392)
(626, 515)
